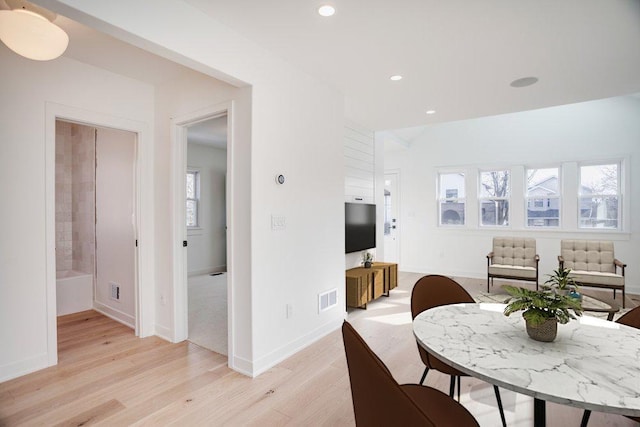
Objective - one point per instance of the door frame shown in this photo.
(395, 172)
(143, 208)
(179, 168)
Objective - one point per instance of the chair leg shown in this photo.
(585, 418)
(452, 386)
(424, 375)
(497, 391)
(459, 389)
(623, 297)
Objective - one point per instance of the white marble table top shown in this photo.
(592, 364)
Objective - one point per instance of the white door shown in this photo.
(115, 219)
(391, 215)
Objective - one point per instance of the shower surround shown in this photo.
(75, 197)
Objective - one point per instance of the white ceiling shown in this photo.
(457, 56)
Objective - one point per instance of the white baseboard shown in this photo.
(242, 366)
(23, 367)
(270, 360)
(164, 333)
(114, 314)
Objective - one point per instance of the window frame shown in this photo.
(619, 195)
(557, 197)
(443, 199)
(197, 175)
(482, 198)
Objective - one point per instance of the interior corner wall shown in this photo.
(207, 248)
(26, 86)
(589, 131)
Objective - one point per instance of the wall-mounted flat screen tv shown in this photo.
(360, 226)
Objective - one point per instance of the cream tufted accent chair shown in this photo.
(513, 258)
(592, 263)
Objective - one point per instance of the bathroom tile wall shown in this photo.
(83, 197)
(64, 254)
(75, 197)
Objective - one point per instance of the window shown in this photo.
(543, 197)
(451, 198)
(494, 198)
(193, 198)
(599, 196)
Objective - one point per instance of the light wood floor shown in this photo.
(109, 377)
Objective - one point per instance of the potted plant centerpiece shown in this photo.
(544, 309)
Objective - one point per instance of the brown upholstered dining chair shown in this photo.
(433, 291)
(630, 318)
(378, 400)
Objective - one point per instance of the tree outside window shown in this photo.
(193, 198)
(543, 197)
(494, 198)
(599, 196)
(451, 197)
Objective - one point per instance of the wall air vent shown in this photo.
(327, 299)
(115, 291)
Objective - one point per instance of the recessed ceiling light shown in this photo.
(431, 111)
(396, 77)
(524, 82)
(326, 10)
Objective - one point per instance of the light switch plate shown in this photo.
(278, 222)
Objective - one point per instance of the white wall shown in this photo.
(288, 123)
(26, 86)
(208, 243)
(605, 129)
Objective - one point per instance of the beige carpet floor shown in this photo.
(208, 312)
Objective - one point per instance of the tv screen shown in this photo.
(360, 226)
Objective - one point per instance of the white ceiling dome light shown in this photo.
(28, 31)
(326, 10)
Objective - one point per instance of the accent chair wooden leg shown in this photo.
(623, 297)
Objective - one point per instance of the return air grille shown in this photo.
(327, 299)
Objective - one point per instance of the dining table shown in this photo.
(592, 364)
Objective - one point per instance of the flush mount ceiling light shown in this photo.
(431, 111)
(395, 78)
(326, 10)
(524, 82)
(28, 31)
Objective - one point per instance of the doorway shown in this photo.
(205, 186)
(391, 216)
(183, 240)
(95, 221)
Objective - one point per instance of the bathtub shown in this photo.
(74, 291)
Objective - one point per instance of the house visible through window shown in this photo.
(543, 197)
(599, 196)
(451, 198)
(193, 198)
(494, 198)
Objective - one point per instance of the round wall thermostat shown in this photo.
(280, 179)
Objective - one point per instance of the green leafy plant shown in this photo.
(561, 280)
(541, 305)
(367, 257)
